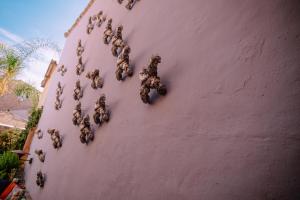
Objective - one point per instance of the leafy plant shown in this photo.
(8, 162)
(9, 138)
(10, 65)
(25, 90)
(33, 120)
(12, 59)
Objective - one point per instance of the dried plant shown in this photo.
(62, 70)
(78, 91)
(90, 26)
(97, 81)
(117, 42)
(101, 113)
(56, 138)
(87, 134)
(77, 115)
(79, 67)
(40, 179)
(123, 66)
(57, 103)
(150, 80)
(99, 18)
(80, 48)
(108, 33)
(41, 155)
(39, 134)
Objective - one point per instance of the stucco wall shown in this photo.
(46, 82)
(228, 128)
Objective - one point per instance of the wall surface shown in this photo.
(228, 128)
(46, 83)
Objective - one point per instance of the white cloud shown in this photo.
(10, 36)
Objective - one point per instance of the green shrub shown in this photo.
(25, 90)
(8, 162)
(9, 138)
(33, 120)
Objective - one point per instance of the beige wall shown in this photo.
(51, 69)
(227, 129)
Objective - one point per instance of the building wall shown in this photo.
(228, 128)
(44, 93)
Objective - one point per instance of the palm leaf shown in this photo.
(12, 59)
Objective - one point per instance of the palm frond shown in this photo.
(12, 58)
(27, 48)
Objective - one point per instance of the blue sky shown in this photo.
(29, 19)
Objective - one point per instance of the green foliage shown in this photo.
(24, 90)
(27, 91)
(8, 162)
(33, 120)
(10, 65)
(9, 139)
(10, 62)
(12, 59)
(15, 139)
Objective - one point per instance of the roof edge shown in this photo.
(79, 18)
(51, 66)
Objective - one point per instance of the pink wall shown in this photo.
(228, 128)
